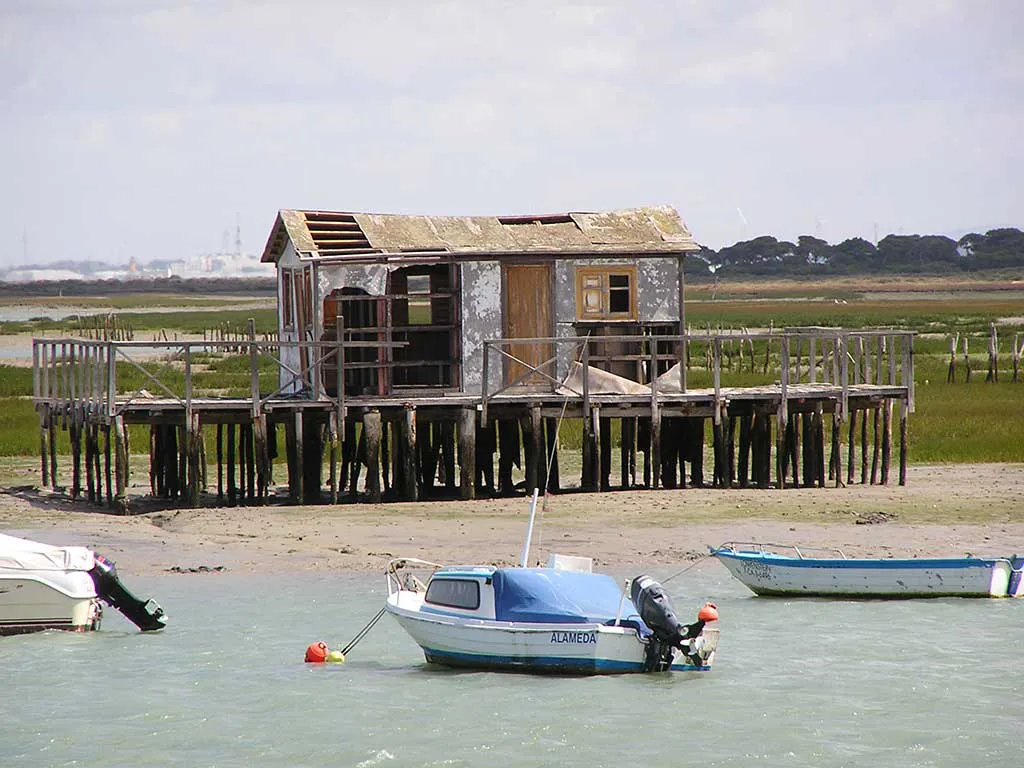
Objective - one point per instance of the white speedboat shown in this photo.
(791, 571)
(49, 587)
(559, 619)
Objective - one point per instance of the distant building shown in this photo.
(32, 275)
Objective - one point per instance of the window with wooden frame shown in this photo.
(287, 304)
(606, 293)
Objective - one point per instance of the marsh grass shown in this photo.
(181, 321)
(960, 422)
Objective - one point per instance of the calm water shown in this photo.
(802, 683)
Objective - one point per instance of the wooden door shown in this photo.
(529, 314)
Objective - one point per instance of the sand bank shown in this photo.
(945, 511)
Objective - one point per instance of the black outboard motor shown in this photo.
(145, 614)
(655, 609)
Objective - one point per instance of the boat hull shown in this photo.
(584, 649)
(30, 604)
(768, 574)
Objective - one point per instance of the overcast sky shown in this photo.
(149, 129)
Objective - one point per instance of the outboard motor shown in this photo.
(145, 614)
(655, 609)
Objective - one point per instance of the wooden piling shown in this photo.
(262, 457)
(780, 446)
(298, 440)
(551, 439)
(408, 486)
(108, 477)
(627, 452)
(655, 453)
(837, 448)
(250, 463)
(90, 480)
(508, 454)
(886, 439)
(44, 456)
(372, 436)
(864, 447)
(718, 451)
(604, 449)
(876, 446)
(231, 463)
(332, 438)
(467, 453)
(730, 445)
(448, 441)
(852, 437)
(536, 450)
(743, 461)
(51, 430)
(904, 408)
(121, 468)
(75, 433)
(193, 442)
(220, 463)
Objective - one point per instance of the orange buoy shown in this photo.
(709, 612)
(316, 653)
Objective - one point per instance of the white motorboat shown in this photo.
(558, 619)
(49, 587)
(792, 571)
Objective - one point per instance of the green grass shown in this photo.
(923, 315)
(975, 422)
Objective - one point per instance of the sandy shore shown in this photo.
(943, 511)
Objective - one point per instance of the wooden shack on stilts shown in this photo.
(419, 357)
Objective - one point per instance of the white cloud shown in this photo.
(177, 112)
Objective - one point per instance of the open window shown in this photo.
(423, 315)
(287, 300)
(606, 293)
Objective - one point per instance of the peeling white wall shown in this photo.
(481, 320)
(289, 355)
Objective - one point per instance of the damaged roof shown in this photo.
(343, 235)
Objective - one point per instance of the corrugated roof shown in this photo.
(338, 233)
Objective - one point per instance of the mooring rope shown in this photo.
(694, 564)
(362, 632)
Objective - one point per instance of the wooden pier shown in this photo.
(815, 409)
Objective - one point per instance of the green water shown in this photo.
(796, 683)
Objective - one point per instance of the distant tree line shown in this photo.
(997, 249)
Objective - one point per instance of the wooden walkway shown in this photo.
(415, 445)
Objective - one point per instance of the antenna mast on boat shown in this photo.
(529, 528)
(547, 474)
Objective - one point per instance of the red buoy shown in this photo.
(316, 653)
(709, 612)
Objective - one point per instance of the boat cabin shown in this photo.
(528, 595)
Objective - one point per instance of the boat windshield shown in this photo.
(454, 593)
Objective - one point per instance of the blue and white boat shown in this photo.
(561, 619)
(782, 570)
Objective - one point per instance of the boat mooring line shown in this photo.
(362, 632)
(694, 564)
